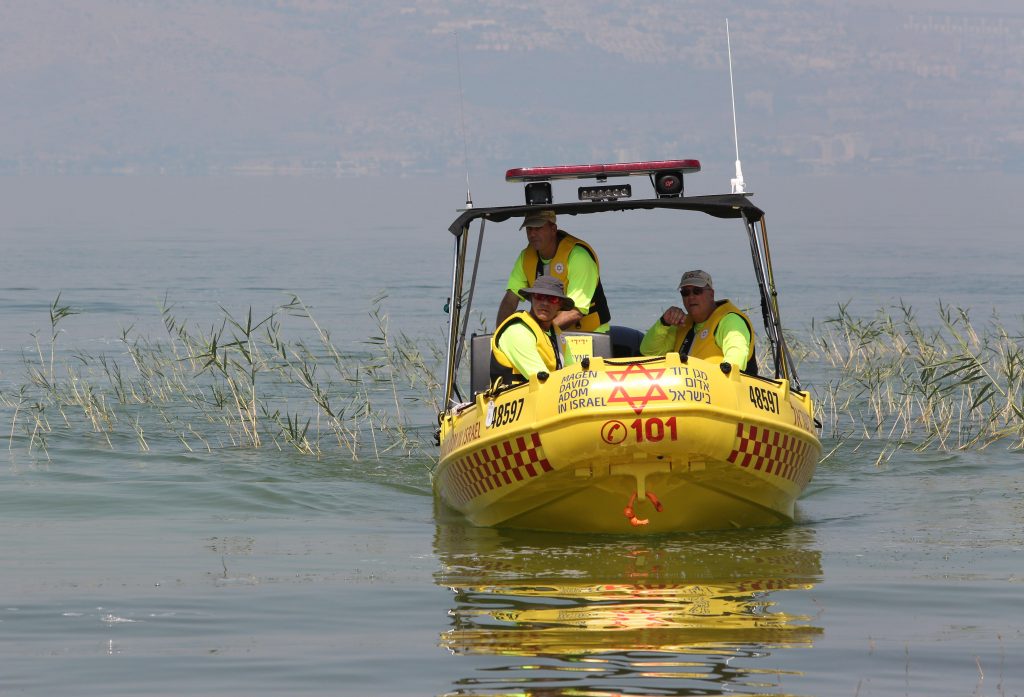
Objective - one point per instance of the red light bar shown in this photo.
(622, 169)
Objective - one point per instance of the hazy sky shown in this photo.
(346, 88)
(913, 108)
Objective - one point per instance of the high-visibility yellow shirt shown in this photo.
(519, 344)
(732, 335)
(583, 277)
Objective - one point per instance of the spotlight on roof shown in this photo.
(605, 193)
(538, 193)
(668, 184)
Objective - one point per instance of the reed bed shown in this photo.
(244, 383)
(260, 381)
(948, 385)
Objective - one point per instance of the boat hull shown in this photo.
(630, 446)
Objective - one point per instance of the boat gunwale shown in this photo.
(457, 409)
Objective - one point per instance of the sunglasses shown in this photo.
(690, 290)
(541, 298)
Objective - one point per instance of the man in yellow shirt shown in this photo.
(554, 252)
(713, 330)
(527, 343)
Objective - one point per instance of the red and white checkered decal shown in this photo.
(772, 452)
(494, 466)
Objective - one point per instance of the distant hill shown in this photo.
(342, 88)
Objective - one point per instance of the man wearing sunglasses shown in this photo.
(713, 330)
(527, 343)
(554, 252)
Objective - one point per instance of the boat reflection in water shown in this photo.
(668, 615)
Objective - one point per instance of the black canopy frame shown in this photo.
(717, 205)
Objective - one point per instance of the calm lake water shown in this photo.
(173, 568)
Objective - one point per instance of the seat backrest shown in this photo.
(600, 344)
(625, 341)
(479, 363)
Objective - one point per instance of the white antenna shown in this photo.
(738, 185)
(462, 119)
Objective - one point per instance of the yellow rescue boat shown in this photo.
(620, 442)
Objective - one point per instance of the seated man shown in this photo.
(527, 343)
(713, 330)
(554, 252)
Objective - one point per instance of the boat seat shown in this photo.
(625, 341)
(479, 363)
(480, 356)
(601, 343)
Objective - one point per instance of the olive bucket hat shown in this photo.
(549, 285)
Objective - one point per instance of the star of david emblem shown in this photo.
(653, 393)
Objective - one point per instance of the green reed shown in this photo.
(951, 385)
(257, 381)
(243, 382)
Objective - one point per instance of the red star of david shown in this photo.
(654, 392)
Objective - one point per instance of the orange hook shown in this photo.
(654, 499)
(631, 514)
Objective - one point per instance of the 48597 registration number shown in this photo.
(763, 399)
(506, 413)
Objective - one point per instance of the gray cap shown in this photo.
(698, 278)
(549, 285)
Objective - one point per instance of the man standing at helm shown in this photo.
(715, 330)
(556, 253)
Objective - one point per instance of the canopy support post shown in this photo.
(460, 343)
(454, 314)
(762, 258)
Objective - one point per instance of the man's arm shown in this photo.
(658, 340)
(733, 337)
(567, 319)
(516, 281)
(508, 305)
(520, 345)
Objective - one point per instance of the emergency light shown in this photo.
(665, 175)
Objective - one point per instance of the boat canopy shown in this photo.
(727, 206)
(717, 205)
